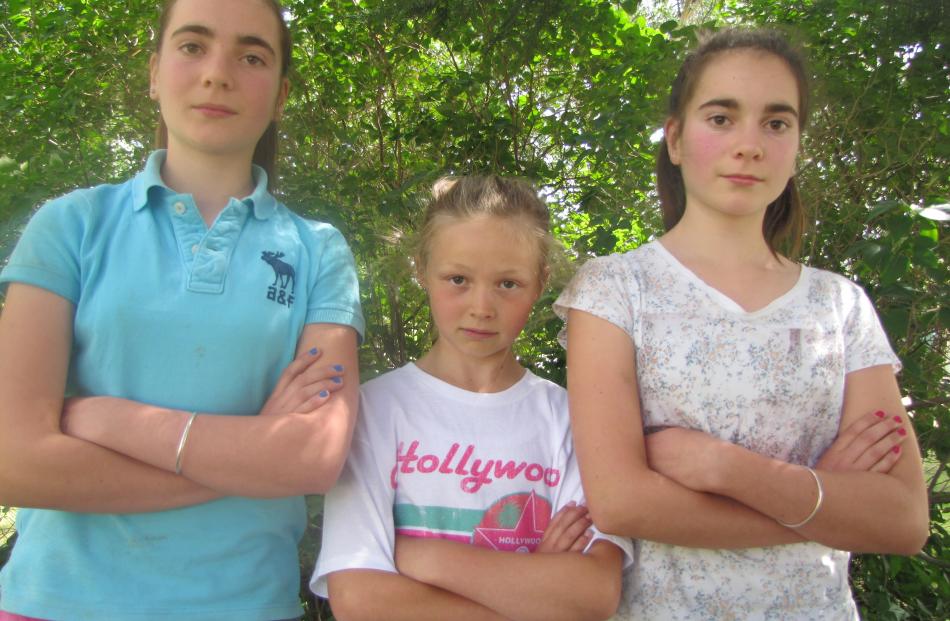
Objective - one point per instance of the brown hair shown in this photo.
(785, 217)
(265, 153)
(475, 195)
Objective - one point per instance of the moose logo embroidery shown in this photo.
(282, 289)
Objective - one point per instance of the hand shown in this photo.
(568, 531)
(304, 385)
(687, 456)
(870, 443)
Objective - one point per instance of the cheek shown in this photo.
(700, 148)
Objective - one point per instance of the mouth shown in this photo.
(743, 179)
(215, 110)
(477, 334)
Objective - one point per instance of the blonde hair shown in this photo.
(490, 195)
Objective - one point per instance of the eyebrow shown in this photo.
(732, 104)
(242, 39)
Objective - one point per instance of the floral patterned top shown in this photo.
(771, 380)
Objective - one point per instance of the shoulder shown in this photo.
(546, 395)
(827, 288)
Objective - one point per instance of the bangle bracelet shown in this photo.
(182, 441)
(821, 497)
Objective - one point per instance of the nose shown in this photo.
(749, 143)
(217, 71)
(481, 306)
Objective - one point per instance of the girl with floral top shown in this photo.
(709, 375)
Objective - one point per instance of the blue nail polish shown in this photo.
(324, 393)
(338, 368)
(337, 380)
(313, 351)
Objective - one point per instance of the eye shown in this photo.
(457, 280)
(778, 125)
(719, 120)
(254, 60)
(508, 284)
(189, 49)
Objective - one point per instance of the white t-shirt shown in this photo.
(771, 381)
(430, 459)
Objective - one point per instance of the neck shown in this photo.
(211, 179)
(491, 374)
(718, 239)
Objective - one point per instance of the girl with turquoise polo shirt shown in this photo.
(168, 486)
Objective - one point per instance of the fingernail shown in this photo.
(879, 414)
(902, 432)
(313, 351)
(324, 393)
(896, 449)
(897, 419)
(338, 368)
(339, 380)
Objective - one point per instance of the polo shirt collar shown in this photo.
(260, 200)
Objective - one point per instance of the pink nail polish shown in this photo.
(897, 419)
(879, 414)
(896, 449)
(902, 432)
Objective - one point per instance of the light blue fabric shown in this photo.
(171, 313)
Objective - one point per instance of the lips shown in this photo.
(743, 179)
(474, 333)
(215, 110)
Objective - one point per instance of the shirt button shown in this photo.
(179, 208)
(194, 249)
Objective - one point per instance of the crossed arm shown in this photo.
(441, 579)
(126, 460)
(704, 492)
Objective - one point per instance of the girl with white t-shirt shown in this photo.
(461, 497)
(709, 375)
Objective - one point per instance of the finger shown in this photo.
(576, 530)
(853, 431)
(581, 543)
(558, 522)
(880, 450)
(320, 372)
(298, 365)
(309, 398)
(853, 456)
(887, 462)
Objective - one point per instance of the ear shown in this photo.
(281, 98)
(153, 77)
(671, 134)
(545, 277)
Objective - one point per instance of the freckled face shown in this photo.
(482, 277)
(217, 76)
(737, 141)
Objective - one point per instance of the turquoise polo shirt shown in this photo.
(173, 313)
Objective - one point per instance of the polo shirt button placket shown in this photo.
(179, 208)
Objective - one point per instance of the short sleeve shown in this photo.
(602, 289)
(358, 528)
(866, 343)
(334, 292)
(47, 254)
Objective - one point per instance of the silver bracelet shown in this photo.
(183, 440)
(821, 497)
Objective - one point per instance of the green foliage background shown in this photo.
(388, 95)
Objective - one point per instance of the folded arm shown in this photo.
(864, 510)
(278, 453)
(369, 595)
(625, 496)
(39, 465)
(541, 586)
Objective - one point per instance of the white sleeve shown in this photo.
(358, 530)
(604, 288)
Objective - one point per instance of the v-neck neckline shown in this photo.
(726, 302)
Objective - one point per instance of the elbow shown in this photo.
(608, 600)
(913, 538)
(615, 519)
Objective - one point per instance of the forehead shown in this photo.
(499, 243)
(746, 75)
(226, 19)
